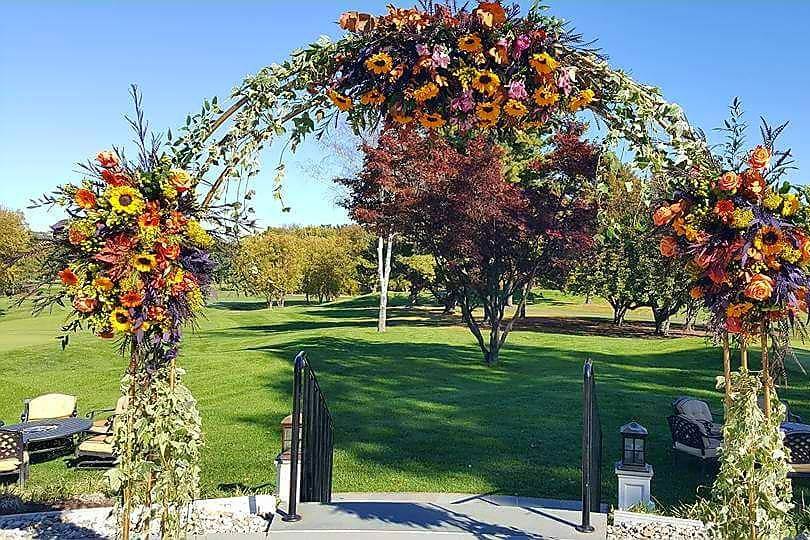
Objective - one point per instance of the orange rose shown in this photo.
(68, 277)
(662, 216)
(107, 159)
(85, 305)
(760, 287)
(759, 158)
(729, 181)
(696, 292)
(669, 246)
(491, 14)
(114, 179)
(180, 180)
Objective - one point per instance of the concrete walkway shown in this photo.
(414, 516)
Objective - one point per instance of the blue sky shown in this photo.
(65, 68)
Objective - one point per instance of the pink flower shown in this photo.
(522, 42)
(440, 57)
(464, 102)
(517, 90)
(567, 76)
(422, 49)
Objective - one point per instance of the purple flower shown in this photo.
(522, 42)
(440, 57)
(517, 90)
(464, 102)
(422, 49)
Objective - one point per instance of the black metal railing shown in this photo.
(312, 440)
(591, 450)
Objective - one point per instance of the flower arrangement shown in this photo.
(483, 68)
(746, 242)
(134, 257)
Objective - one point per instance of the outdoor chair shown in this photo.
(94, 452)
(13, 457)
(691, 437)
(699, 411)
(49, 406)
(798, 442)
(789, 416)
(102, 425)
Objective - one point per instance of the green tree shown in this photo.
(270, 264)
(420, 271)
(330, 267)
(16, 251)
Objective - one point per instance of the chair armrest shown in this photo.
(24, 415)
(92, 414)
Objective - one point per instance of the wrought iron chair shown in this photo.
(103, 424)
(13, 457)
(690, 436)
(798, 442)
(789, 417)
(97, 451)
(699, 411)
(48, 406)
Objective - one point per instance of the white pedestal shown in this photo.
(283, 474)
(634, 486)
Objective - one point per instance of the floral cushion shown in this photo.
(51, 406)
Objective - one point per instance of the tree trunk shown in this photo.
(384, 274)
(619, 312)
(588, 298)
(509, 301)
(449, 304)
(691, 316)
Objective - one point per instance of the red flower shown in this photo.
(167, 251)
(733, 325)
(107, 159)
(759, 158)
(725, 209)
(131, 299)
(68, 277)
(114, 178)
(176, 222)
(728, 182)
(85, 198)
(85, 305)
(717, 275)
(669, 246)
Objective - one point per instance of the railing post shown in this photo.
(587, 446)
(295, 444)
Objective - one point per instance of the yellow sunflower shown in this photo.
(515, 109)
(426, 92)
(144, 262)
(583, 99)
(543, 63)
(488, 111)
(125, 199)
(546, 96)
(379, 63)
(431, 120)
(344, 103)
(769, 240)
(120, 320)
(372, 97)
(400, 116)
(470, 43)
(486, 82)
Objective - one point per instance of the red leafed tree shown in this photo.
(489, 236)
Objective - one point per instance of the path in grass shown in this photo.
(415, 409)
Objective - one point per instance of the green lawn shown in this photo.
(415, 409)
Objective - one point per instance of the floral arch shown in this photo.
(487, 70)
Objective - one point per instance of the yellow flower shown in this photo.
(486, 82)
(772, 200)
(790, 254)
(791, 205)
(515, 108)
(125, 199)
(372, 97)
(400, 116)
(582, 100)
(742, 218)
(488, 111)
(546, 96)
(197, 235)
(175, 277)
(344, 103)
(144, 262)
(431, 120)
(769, 240)
(543, 63)
(426, 92)
(379, 63)
(470, 43)
(120, 320)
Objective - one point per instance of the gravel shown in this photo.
(100, 525)
(662, 531)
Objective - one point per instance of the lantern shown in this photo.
(634, 447)
(286, 434)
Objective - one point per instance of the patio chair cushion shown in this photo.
(51, 406)
(696, 409)
(103, 426)
(801, 468)
(99, 444)
(12, 464)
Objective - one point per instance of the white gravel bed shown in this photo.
(656, 530)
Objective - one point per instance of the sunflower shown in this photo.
(426, 92)
(545, 96)
(488, 111)
(543, 63)
(470, 43)
(344, 103)
(769, 240)
(486, 82)
(583, 99)
(515, 109)
(125, 200)
(401, 117)
(372, 97)
(379, 63)
(120, 320)
(431, 120)
(103, 283)
(131, 299)
(144, 262)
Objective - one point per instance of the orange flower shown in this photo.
(759, 158)
(344, 103)
(470, 43)
(667, 213)
(113, 178)
(729, 181)
(733, 325)
(426, 92)
(107, 159)
(760, 287)
(754, 183)
(696, 292)
(85, 305)
(669, 246)
(401, 117)
(167, 251)
(356, 22)
(488, 111)
(85, 198)
(738, 310)
(372, 97)
(151, 217)
(431, 120)
(76, 237)
(180, 180)
(491, 14)
(103, 283)
(725, 209)
(379, 63)
(543, 63)
(515, 108)
(68, 277)
(546, 96)
(131, 299)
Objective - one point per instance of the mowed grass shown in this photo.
(415, 409)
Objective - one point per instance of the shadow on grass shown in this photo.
(599, 326)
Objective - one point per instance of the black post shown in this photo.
(587, 447)
(295, 446)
